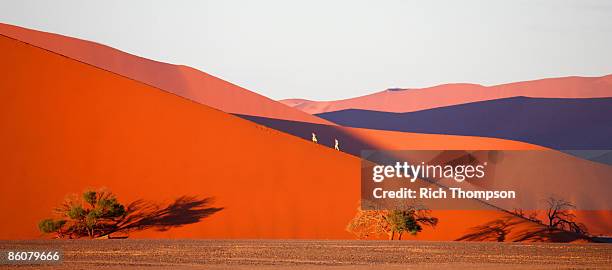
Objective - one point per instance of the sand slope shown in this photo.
(409, 100)
(66, 126)
(181, 80)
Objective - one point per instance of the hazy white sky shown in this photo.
(327, 50)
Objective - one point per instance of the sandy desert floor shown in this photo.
(307, 254)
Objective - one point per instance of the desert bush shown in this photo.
(94, 214)
(376, 223)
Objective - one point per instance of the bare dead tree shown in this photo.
(560, 216)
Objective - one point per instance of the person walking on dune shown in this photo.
(314, 138)
(336, 144)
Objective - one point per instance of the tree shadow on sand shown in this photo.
(518, 229)
(184, 210)
(496, 230)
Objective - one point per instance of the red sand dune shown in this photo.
(181, 80)
(66, 126)
(409, 100)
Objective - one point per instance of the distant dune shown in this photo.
(410, 100)
(554, 123)
(181, 80)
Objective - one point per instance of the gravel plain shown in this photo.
(309, 254)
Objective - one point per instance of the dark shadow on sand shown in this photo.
(183, 211)
(517, 229)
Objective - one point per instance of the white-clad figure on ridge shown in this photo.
(336, 145)
(314, 138)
